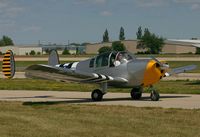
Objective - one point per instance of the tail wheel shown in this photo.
(154, 96)
(97, 95)
(136, 93)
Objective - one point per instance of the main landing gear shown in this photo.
(136, 93)
(97, 94)
(155, 96)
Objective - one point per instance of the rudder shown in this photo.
(53, 58)
(8, 64)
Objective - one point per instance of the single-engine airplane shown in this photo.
(116, 69)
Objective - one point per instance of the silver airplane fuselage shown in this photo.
(137, 72)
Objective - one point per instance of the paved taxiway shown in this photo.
(185, 101)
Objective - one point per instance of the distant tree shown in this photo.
(140, 43)
(139, 33)
(139, 36)
(75, 44)
(32, 52)
(118, 46)
(121, 34)
(65, 52)
(147, 33)
(38, 53)
(2, 43)
(84, 44)
(197, 50)
(106, 36)
(47, 51)
(8, 41)
(151, 42)
(104, 49)
(77, 50)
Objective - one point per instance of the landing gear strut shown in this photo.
(97, 94)
(154, 94)
(136, 93)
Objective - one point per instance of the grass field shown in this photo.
(64, 120)
(180, 87)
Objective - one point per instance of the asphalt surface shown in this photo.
(184, 101)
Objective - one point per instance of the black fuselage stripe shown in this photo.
(100, 76)
(105, 80)
(61, 65)
(97, 80)
(94, 79)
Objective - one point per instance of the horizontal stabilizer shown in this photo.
(53, 73)
(8, 65)
(181, 70)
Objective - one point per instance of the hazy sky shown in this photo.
(58, 21)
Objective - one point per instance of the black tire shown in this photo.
(136, 93)
(154, 96)
(97, 95)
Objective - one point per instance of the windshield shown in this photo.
(112, 59)
(124, 57)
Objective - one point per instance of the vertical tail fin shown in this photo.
(53, 58)
(8, 65)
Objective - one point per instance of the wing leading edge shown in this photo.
(66, 75)
(181, 70)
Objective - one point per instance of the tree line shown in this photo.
(146, 40)
(6, 41)
(121, 35)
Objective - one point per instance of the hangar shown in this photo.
(131, 45)
(26, 49)
(22, 49)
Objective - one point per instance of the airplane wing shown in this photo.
(66, 75)
(180, 70)
(195, 43)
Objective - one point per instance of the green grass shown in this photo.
(180, 87)
(65, 120)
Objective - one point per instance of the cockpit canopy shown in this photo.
(111, 59)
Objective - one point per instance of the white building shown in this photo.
(22, 49)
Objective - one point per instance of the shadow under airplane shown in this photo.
(86, 100)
